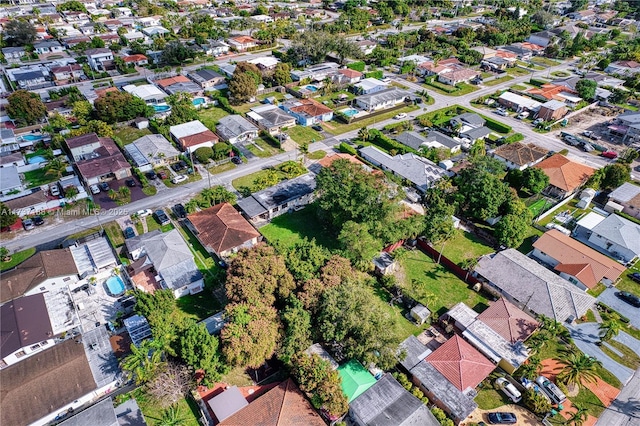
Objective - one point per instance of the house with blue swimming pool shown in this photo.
(308, 111)
(383, 99)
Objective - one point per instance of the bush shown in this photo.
(347, 149)
(271, 140)
(203, 154)
(356, 66)
(497, 126)
(374, 74)
(388, 144)
(439, 414)
(537, 83)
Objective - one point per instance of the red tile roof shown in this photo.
(509, 321)
(460, 363)
(564, 173)
(198, 138)
(350, 73)
(284, 405)
(222, 228)
(550, 91)
(135, 58)
(166, 82)
(311, 108)
(244, 39)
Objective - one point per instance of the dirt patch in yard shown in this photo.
(525, 417)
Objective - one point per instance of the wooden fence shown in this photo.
(458, 271)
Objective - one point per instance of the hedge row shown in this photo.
(270, 139)
(225, 105)
(374, 74)
(347, 149)
(497, 126)
(537, 83)
(388, 144)
(356, 66)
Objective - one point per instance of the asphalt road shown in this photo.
(625, 409)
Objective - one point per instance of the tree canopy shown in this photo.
(26, 107)
(176, 53)
(200, 350)
(120, 106)
(18, 32)
(586, 89)
(481, 193)
(7, 216)
(242, 87)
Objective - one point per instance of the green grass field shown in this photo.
(128, 134)
(266, 150)
(17, 258)
(517, 71)
(465, 246)
(497, 81)
(291, 228)
(337, 128)
(38, 177)
(302, 134)
(153, 412)
(211, 116)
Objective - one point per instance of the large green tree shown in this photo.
(182, 110)
(281, 74)
(120, 106)
(176, 53)
(577, 368)
(512, 229)
(26, 107)
(242, 87)
(7, 216)
(316, 377)
(482, 193)
(305, 259)
(534, 180)
(438, 218)
(586, 89)
(296, 331)
(358, 244)
(19, 32)
(200, 350)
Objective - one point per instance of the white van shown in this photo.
(553, 392)
(509, 389)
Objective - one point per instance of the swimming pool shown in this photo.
(31, 137)
(350, 112)
(311, 88)
(198, 101)
(115, 286)
(162, 108)
(36, 159)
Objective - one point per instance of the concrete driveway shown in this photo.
(609, 298)
(625, 410)
(585, 336)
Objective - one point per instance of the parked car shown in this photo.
(152, 175)
(538, 121)
(522, 115)
(400, 116)
(223, 264)
(635, 276)
(179, 179)
(130, 183)
(317, 128)
(236, 160)
(94, 189)
(586, 147)
(162, 174)
(28, 225)
(553, 392)
(610, 154)
(502, 112)
(180, 211)
(129, 233)
(180, 165)
(509, 389)
(54, 190)
(591, 135)
(144, 213)
(38, 220)
(630, 298)
(161, 217)
(104, 186)
(502, 418)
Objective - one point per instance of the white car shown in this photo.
(178, 179)
(144, 213)
(502, 112)
(522, 115)
(400, 116)
(508, 389)
(94, 189)
(54, 190)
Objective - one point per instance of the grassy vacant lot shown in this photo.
(497, 81)
(302, 134)
(222, 168)
(266, 150)
(114, 233)
(38, 177)
(445, 89)
(424, 276)
(465, 246)
(211, 116)
(17, 258)
(517, 71)
(316, 155)
(291, 228)
(153, 412)
(337, 128)
(128, 134)
(205, 263)
(540, 60)
(247, 180)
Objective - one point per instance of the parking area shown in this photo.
(595, 120)
(107, 203)
(609, 298)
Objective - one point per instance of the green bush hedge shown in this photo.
(388, 144)
(374, 74)
(356, 66)
(537, 83)
(347, 149)
(270, 139)
(497, 126)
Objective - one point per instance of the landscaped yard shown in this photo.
(465, 246)
(153, 412)
(517, 71)
(128, 134)
(38, 177)
(201, 305)
(266, 149)
(422, 276)
(221, 168)
(17, 258)
(289, 229)
(211, 116)
(497, 81)
(302, 134)
(540, 60)
(337, 128)
(447, 90)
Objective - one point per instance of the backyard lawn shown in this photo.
(128, 134)
(465, 246)
(201, 305)
(153, 412)
(337, 128)
(289, 229)
(497, 81)
(17, 258)
(302, 134)
(211, 116)
(423, 276)
(38, 177)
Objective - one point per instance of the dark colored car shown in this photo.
(180, 165)
(152, 175)
(161, 217)
(130, 183)
(222, 264)
(236, 160)
(630, 298)
(38, 220)
(502, 418)
(129, 233)
(317, 128)
(104, 186)
(163, 174)
(180, 211)
(635, 276)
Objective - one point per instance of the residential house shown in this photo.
(283, 405)
(271, 119)
(518, 103)
(507, 355)
(235, 129)
(577, 263)
(384, 99)
(101, 414)
(457, 76)
(307, 111)
(552, 110)
(72, 41)
(531, 286)
(193, 135)
(549, 91)
(603, 82)
(155, 31)
(469, 119)
(627, 126)
(215, 48)
(13, 54)
(147, 92)
(518, 155)
(449, 375)
(10, 181)
(512, 323)
(100, 58)
(48, 46)
(355, 379)
(416, 59)
(430, 67)
(496, 63)
(207, 79)
(165, 83)
(387, 402)
(284, 197)
(316, 72)
(627, 196)
(171, 258)
(474, 134)
(98, 159)
(180, 84)
(67, 72)
(485, 51)
(12, 159)
(120, 12)
(370, 85)
(242, 43)
(615, 235)
(521, 52)
(42, 272)
(222, 230)
(151, 151)
(543, 38)
(421, 172)
(265, 63)
(439, 140)
(565, 176)
(32, 78)
(349, 76)
(411, 139)
(449, 71)
(367, 46)
(135, 36)
(583, 15)
(137, 60)
(149, 21)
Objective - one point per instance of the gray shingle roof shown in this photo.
(384, 96)
(274, 196)
(477, 133)
(442, 139)
(625, 193)
(533, 285)
(469, 118)
(233, 126)
(411, 139)
(621, 231)
(100, 414)
(415, 352)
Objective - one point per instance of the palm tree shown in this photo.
(304, 150)
(143, 362)
(191, 206)
(172, 417)
(610, 327)
(554, 328)
(55, 167)
(532, 368)
(578, 417)
(578, 367)
(363, 134)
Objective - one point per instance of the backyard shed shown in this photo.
(355, 379)
(420, 313)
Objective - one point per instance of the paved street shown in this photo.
(625, 410)
(609, 298)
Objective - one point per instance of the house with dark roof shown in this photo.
(552, 110)
(518, 155)
(467, 119)
(236, 129)
(576, 262)
(532, 287)
(388, 403)
(222, 230)
(215, 48)
(439, 140)
(613, 234)
(411, 139)
(271, 119)
(44, 271)
(565, 176)
(307, 111)
(98, 161)
(207, 79)
(100, 414)
(286, 196)
(626, 68)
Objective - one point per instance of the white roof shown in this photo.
(590, 220)
(520, 100)
(144, 91)
(625, 193)
(187, 129)
(418, 59)
(265, 61)
(570, 97)
(370, 83)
